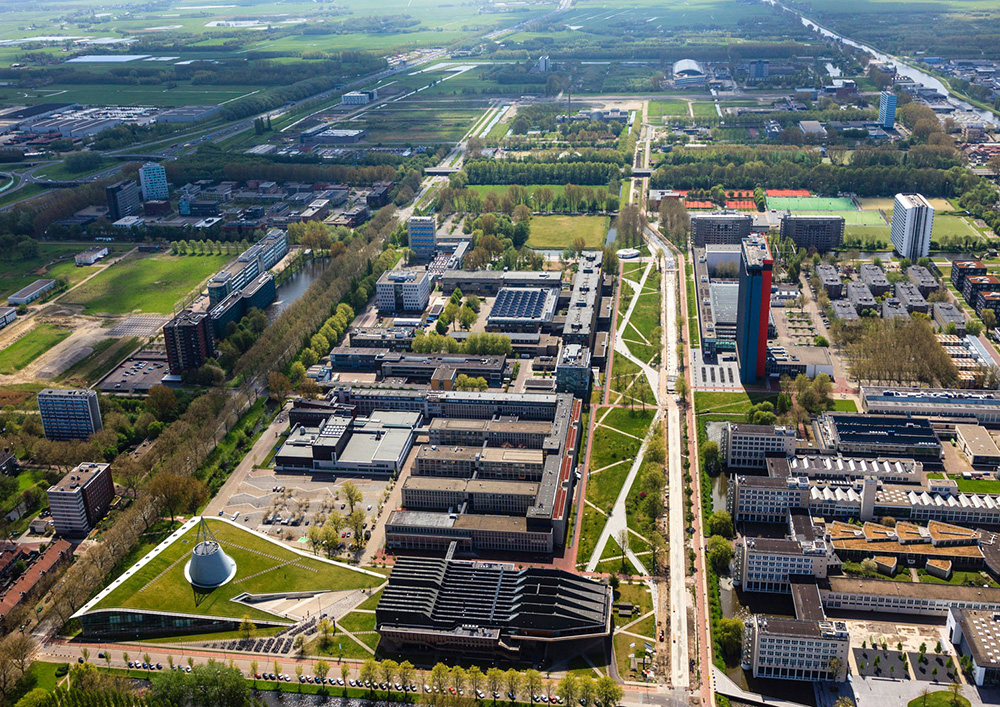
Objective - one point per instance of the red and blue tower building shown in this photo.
(754, 308)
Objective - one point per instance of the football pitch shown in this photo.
(798, 204)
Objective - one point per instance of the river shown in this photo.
(296, 286)
(902, 68)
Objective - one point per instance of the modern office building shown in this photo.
(403, 291)
(720, 227)
(770, 564)
(584, 301)
(820, 232)
(69, 413)
(81, 498)
(257, 294)
(747, 446)
(977, 634)
(887, 110)
(490, 282)
(190, 341)
(421, 231)
(153, 182)
(753, 308)
(123, 200)
(248, 266)
(810, 648)
(491, 609)
(573, 372)
(912, 221)
(359, 98)
(523, 309)
(981, 406)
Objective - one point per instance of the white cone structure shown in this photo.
(209, 566)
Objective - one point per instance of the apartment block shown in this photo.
(69, 413)
(81, 498)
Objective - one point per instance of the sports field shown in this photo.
(851, 218)
(30, 346)
(262, 566)
(802, 204)
(558, 232)
(885, 203)
(945, 226)
(145, 283)
(874, 236)
(667, 106)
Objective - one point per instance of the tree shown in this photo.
(869, 567)
(494, 681)
(176, 492)
(711, 456)
(513, 680)
(162, 402)
(568, 688)
(440, 676)
(608, 691)
(587, 688)
(834, 667)
(352, 494)
(955, 689)
(345, 673)
(730, 634)
(369, 674)
(466, 317)
(475, 677)
(247, 627)
(405, 672)
(297, 371)
(989, 316)
(325, 628)
(298, 672)
(458, 678)
(279, 385)
(321, 669)
(533, 683)
(720, 523)
(388, 670)
(624, 542)
(720, 553)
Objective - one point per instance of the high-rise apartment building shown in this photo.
(123, 200)
(189, 341)
(153, 181)
(887, 110)
(421, 230)
(69, 414)
(912, 221)
(81, 498)
(753, 308)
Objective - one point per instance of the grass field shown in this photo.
(885, 203)
(667, 106)
(558, 232)
(810, 203)
(942, 698)
(54, 260)
(501, 189)
(30, 346)
(106, 355)
(851, 218)
(945, 226)
(867, 233)
(146, 284)
(262, 566)
(704, 109)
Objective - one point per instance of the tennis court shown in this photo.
(851, 218)
(798, 204)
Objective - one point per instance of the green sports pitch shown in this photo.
(798, 204)
(851, 218)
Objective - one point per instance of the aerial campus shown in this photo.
(548, 351)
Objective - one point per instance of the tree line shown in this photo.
(514, 172)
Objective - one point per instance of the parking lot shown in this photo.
(136, 374)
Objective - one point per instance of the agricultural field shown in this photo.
(262, 566)
(30, 346)
(150, 284)
(559, 232)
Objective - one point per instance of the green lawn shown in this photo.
(558, 232)
(845, 406)
(372, 601)
(590, 530)
(942, 698)
(704, 109)
(633, 422)
(145, 283)
(945, 226)
(30, 346)
(957, 579)
(53, 260)
(734, 403)
(262, 566)
(875, 234)
(357, 621)
(667, 106)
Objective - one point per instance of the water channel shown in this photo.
(296, 285)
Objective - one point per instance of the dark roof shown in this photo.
(445, 595)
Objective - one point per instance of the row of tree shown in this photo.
(517, 172)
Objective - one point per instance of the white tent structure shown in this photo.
(209, 566)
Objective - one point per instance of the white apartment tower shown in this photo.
(912, 220)
(153, 181)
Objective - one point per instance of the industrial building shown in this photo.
(91, 255)
(189, 340)
(359, 98)
(30, 293)
(7, 316)
(491, 610)
(753, 309)
(394, 338)
(912, 221)
(403, 291)
(80, 500)
(822, 233)
(69, 413)
(581, 315)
